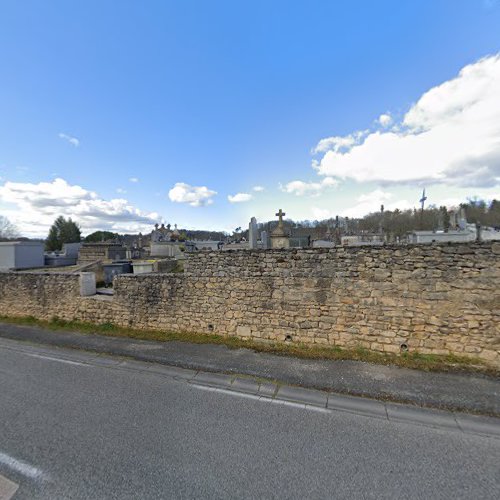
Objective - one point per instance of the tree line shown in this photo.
(396, 223)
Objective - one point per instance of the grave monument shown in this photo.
(279, 237)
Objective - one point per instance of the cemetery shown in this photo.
(432, 299)
(280, 285)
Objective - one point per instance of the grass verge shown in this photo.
(426, 362)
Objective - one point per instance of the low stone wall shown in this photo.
(426, 298)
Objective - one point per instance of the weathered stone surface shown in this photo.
(432, 299)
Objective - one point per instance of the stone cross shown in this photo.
(280, 214)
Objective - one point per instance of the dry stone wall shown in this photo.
(426, 298)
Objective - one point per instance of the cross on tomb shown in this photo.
(280, 214)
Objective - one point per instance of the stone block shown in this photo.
(243, 331)
(87, 284)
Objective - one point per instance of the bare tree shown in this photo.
(7, 229)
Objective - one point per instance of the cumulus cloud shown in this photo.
(72, 140)
(451, 136)
(301, 188)
(37, 205)
(133, 179)
(196, 196)
(339, 144)
(322, 213)
(258, 189)
(385, 119)
(239, 197)
(372, 201)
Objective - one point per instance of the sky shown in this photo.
(121, 114)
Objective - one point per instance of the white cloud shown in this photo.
(321, 213)
(339, 143)
(37, 206)
(385, 119)
(72, 140)
(450, 202)
(301, 188)
(375, 196)
(121, 191)
(196, 196)
(450, 136)
(371, 202)
(258, 189)
(239, 197)
(133, 179)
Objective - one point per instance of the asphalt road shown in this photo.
(74, 430)
(450, 391)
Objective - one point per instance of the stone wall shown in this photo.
(426, 298)
(90, 252)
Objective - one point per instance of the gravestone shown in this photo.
(252, 234)
(264, 238)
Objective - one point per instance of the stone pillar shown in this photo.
(252, 234)
(87, 284)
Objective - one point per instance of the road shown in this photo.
(70, 429)
(449, 391)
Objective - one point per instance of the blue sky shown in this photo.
(224, 96)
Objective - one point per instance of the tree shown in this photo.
(62, 231)
(98, 236)
(7, 229)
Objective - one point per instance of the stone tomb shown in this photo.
(21, 254)
(91, 252)
(279, 237)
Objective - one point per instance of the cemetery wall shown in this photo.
(428, 298)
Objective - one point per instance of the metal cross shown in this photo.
(423, 199)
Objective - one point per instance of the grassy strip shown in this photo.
(427, 362)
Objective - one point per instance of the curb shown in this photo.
(275, 393)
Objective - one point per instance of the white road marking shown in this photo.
(22, 467)
(225, 391)
(255, 397)
(7, 488)
(50, 358)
